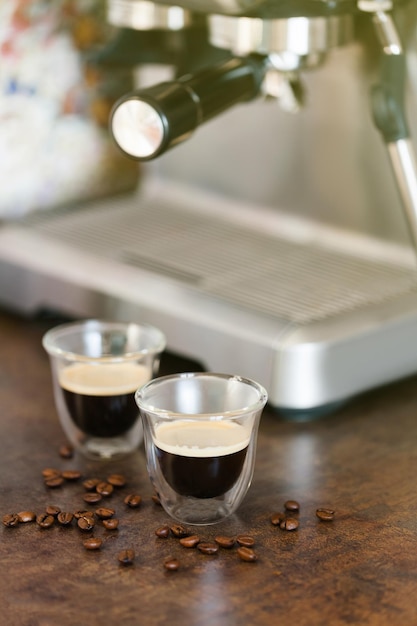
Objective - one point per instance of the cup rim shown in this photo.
(48, 340)
(219, 415)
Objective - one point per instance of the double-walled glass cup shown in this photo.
(200, 433)
(96, 368)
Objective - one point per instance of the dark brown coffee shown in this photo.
(201, 459)
(100, 397)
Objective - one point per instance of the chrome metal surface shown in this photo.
(403, 160)
(146, 15)
(137, 128)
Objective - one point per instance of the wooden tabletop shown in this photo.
(360, 568)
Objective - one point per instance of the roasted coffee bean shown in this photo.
(156, 500)
(54, 483)
(66, 451)
(117, 480)
(52, 510)
(50, 472)
(245, 540)
(92, 543)
(91, 483)
(71, 475)
(190, 542)
(104, 489)
(225, 542)
(10, 520)
(178, 530)
(86, 523)
(163, 532)
(83, 513)
(45, 521)
(289, 523)
(126, 557)
(325, 515)
(92, 497)
(277, 518)
(208, 547)
(247, 554)
(26, 516)
(171, 564)
(65, 518)
(133, 500)
(105, 513)
(292, 505)
(111, 524)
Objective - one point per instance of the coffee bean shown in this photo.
(45, 521)
(179, 531)
(207, 547)
(71, 475)
(156, 500)
(91, 483)
(92, 543)
(133, 500)
(246, 554)
(171, 564)
(292, 505)
(92, 497)
(86, 523)
(65, 518)
(126, 557)
(277, 518)
(104, 489)
(10, 520)
(162, 532)
(225, 542)
(105, 513)
(52, 510)
(190, 542)
(54, 483)
(66, 451)
(83, 513)
(50, 472)
(26, 516)
(117, 480)
(245, 540)
(289, 523)
(325, 515)
(111, 524)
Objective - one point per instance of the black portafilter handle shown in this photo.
(150, 121)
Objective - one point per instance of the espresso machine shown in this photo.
(251, 131)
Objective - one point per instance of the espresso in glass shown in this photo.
(201, 459)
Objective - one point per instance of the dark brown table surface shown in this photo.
(361, 568)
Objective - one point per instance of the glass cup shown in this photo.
(96, 368)
(200, 432)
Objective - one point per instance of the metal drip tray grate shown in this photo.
(270, 274)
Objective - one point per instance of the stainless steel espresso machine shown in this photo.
(277, 243)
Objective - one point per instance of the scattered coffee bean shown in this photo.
(92, 497)
(66, 451)
(225, 542)
(179, 531)
(105, 513)
(163, 532)
(277, 518)
(65, 518)
(91, 483)
(292, 505)
(246, 554)
(133, 500)
(86, 523)
(71, 475)
(54, 483)
(26, 516)
(289, 523)
(92, 543)
(207, 547)
(117, 480)
(156, 499)
(83, 513)
(45, 521)
(104, 489)
(52, 510)
(325, 515)
(171, 564)
(126, 557)
(50, 472)
(245, 540)
(10, 520)
(111, 524)
(190, 542)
